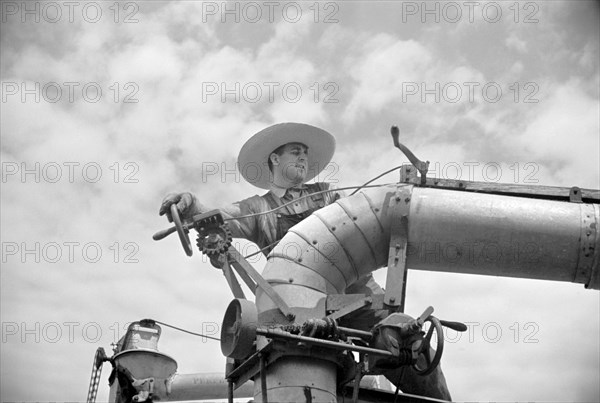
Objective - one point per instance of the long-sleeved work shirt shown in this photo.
(262, 229)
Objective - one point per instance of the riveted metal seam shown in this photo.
(373, 254)
(321, 253)
(352, 263)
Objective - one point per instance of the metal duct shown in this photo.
(449, 231)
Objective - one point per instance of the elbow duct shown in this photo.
(448, 231)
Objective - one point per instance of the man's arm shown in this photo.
(189, 206)
(244, 227)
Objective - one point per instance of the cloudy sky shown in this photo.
(106, 107)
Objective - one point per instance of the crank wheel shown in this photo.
(424, 348)
(181, 231)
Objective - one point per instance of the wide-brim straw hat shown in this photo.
(254, 155)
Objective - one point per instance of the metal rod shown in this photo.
(355, 332)
(263, 379)
(357, 379)
(229, 391)
(280, 334)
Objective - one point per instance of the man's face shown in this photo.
(293, 162)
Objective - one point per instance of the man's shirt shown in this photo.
(262, 229)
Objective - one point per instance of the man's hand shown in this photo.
(186, 203)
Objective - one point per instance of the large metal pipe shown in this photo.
(450, 231)
(183, 387)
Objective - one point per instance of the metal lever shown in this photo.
(163, 233)
(421, 166)
(458, 326)
(427, 313)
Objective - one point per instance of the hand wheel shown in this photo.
(424, 347)
(181, 231)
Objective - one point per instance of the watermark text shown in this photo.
(69, 172)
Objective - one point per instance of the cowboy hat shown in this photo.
(254, 155)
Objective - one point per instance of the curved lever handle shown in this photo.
(458, 326)
(163, 233)
(421, 166)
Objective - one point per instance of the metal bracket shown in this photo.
(343, 304)
(253, 279)
(587, 239)
(395, 285)
(214, 240)
(575, 195)
(232, 281)
(408, 174)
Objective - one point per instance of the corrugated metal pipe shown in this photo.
(448, 231)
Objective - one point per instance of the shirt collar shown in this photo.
(280, 192)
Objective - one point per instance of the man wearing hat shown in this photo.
(281, 159)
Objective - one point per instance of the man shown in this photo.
(282, 158)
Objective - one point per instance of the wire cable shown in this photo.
(375, 178)
(304, 197)
(261, 250)
(185, 331)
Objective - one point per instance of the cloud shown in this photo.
(564, 133)
(382, 72)
(516, 44)
(178, 132)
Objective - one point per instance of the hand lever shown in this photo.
(427, 313)
(163, 233)
(459, 327)
(421, 166)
